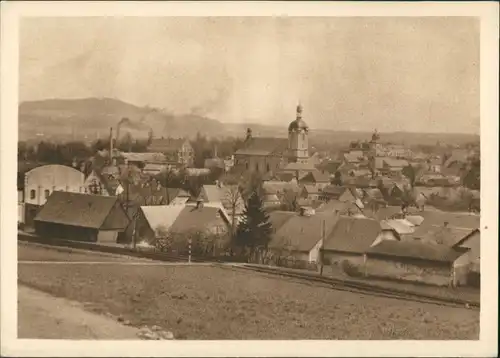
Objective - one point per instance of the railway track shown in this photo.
(361, 288)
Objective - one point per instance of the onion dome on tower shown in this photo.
(298, 124)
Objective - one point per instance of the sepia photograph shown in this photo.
(250, 177)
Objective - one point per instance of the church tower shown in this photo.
(297, 139)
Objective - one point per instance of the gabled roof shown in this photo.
(302, 233)
(278, 187)
(415, 250)
(263, 146)
(161, 216)
(460, 220)
(226, 195)
(352, 235)
(400, 226)
(448, 236)
(192, 219)
(279, 218)
(312, 189)
(373, 193)
(470, 241)
(81, 210)
(416, 220)
(316, 176)
(334, 191)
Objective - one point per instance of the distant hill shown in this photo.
(89, 118)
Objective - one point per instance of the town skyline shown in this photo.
(372, 73)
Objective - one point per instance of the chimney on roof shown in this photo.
(446, 224)
(249, 134)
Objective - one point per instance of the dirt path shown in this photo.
(42, 316)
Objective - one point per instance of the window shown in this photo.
(268, 168)
(246, 165)
(46, 193)
(32, 194)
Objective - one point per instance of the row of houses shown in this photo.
(434, 247)
(437, 254)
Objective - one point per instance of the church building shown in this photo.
(271, 155)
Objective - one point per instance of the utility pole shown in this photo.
(322, 259)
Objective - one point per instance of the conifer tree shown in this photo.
(254, 231)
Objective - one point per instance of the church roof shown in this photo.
(264, 146)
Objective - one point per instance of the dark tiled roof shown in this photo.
(193, 219)
(334, 191)
(448, 236)
(149, 195)
(353, 235)
(316, 177)
(264, 146)
(415, 250)
(77, 209)
(279, 218)
(302, 233)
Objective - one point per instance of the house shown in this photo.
(42, 181)
(329, 166)
(311, 192)
(181, 221)
(315, 178)
(228, 195)
(100, 183)
(468, 265)
(340, 193)
(153, 169)
(391, 165)
(373, 194)
(413, 261)
(301, 235)
(81, 217)
(141, 159)
(280, 187)
(37, 182)
(350, 238)
(353, 157)
(150, 194)
(434, 164)
(178, 151)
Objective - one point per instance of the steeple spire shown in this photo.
(299, 111)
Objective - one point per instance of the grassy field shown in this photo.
(198, 302)
(30, 252)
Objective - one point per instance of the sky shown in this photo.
(349, 73)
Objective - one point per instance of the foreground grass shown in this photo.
(219, 303)
(31, 252)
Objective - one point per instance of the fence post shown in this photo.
(189, 250)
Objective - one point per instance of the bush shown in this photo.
(350, 269)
